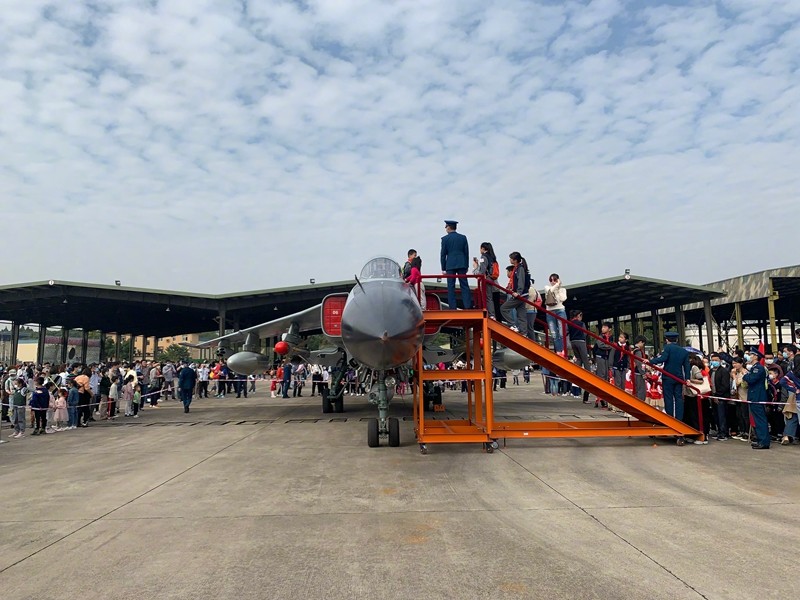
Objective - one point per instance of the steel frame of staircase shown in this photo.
(480, 425)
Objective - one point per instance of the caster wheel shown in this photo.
(423, 449)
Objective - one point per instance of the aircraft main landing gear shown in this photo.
(329, 405)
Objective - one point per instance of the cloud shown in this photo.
(219, 147)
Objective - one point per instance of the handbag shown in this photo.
(705, 387)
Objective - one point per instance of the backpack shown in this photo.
(550, 297)
(494, 271)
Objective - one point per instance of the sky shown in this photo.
(222, 146)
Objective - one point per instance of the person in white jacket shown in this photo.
(554, 297)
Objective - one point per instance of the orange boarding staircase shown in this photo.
(480, 425)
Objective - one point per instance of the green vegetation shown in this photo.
(174, 352)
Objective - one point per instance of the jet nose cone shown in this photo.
(382, 325)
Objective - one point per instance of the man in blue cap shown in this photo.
(455, 257)
(756, 380)
(676, 362)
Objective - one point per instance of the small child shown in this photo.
(18, 406)
(60, 413)
(51, 407)
(113, 397)
(137, 400)
(127, 397)
(73, 397)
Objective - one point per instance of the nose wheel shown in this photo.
(373, 436)
(374, 433)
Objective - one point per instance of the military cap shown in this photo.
(756, 351)
(452, 224)
(671, 335)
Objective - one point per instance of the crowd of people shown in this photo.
(53, 398)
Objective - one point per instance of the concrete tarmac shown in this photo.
(269, 498)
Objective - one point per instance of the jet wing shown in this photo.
(305, 320)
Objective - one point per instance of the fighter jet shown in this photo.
(378, 327)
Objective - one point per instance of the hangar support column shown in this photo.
(737, 309)
(222, 316)
(85, 346)
(709, 325)
(656, 323)
(680, 324)
(40, 344)
(14, 342)
(64, 344)
(773, 333)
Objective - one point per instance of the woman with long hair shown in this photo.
(518, 288)
(485, 266)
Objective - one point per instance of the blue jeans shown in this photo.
(466, 293)
(790, 429)
(72, 415)
(673, 398)
(556, 328)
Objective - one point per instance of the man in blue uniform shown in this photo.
(187, 378)
(676, 362)
(756, 380)
(455, 257)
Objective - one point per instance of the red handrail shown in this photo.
(483, 281)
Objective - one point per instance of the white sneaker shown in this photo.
(514, 328)
(16, 435)
(135, 416)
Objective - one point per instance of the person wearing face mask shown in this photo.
(720, 388)
(777, 394)
(756, 380)
(742, 423)
(790, 383)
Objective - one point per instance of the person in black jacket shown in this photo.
(720, 388)
(621, 362)
(518, 288)
(40, 400)
(577, 339)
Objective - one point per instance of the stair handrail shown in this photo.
(567, 323)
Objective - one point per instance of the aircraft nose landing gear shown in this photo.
(383, 426)
(374, 433)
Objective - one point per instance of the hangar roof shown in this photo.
(151, 312)
(167, 312)
(626, 295)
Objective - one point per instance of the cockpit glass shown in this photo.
(381, 268)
